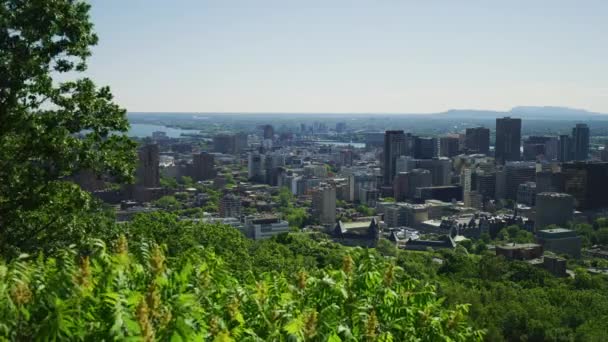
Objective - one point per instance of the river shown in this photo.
(140, 130)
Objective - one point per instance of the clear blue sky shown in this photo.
(351, 56)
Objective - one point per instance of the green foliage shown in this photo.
(516, 301)
(168, 182)
(145, 296)
(182, 235)
(229, 179)
(365, 210)
(386, 247)
(186, 181)
(514, 234)
(296, 216)
(214, 199)
(169, 203)
(285, 198)
(593, 234)
(52, 125)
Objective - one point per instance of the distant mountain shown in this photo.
(471, 113)
(525, 112)
(553, 112)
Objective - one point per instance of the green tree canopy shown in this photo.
(52, 124)
(168, 203)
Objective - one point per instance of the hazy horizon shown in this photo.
(506, 112)
(386, 57)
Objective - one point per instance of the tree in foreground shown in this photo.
(52, 125)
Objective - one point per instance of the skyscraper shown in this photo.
(535, 147)
(516, 174)
(440, 169)
(425, 148)
(508, 139)
(418, 178)
(586, 182)
(400, 186)
(394, 146)
(268, 132)
(449, 146)
(148, 173)
(477, 140)
(580, 142)
(565, 148)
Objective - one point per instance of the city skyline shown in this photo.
(342, 57)
(268, 210)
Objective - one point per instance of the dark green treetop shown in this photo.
(53, 124)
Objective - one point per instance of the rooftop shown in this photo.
(556, 233)
(553, 194)
(356, 225)
(519, 246)
(556, 230)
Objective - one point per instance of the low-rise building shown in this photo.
(560, 241)
(555, 265)
(360, 233)
(520, 251)
(405, 214)
(446, 242)
(596, 252)
(259, 228)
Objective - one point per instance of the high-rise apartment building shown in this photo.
(203, 167)
(324, 204)
(230, 206)
(148, 172)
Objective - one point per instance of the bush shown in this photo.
(117, 296)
